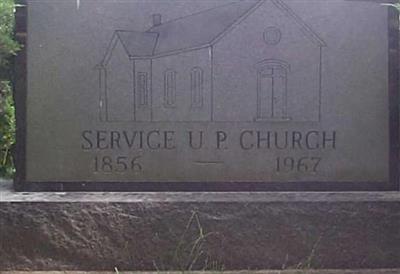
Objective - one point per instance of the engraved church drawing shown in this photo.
(246, 61)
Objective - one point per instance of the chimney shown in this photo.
(156, 20)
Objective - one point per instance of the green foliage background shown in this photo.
(8, 48)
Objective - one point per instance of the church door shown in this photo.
(272, 92)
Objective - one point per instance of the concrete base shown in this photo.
(196, 231)
(293, 271)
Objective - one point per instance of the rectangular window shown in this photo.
(196, 86)
(169, 88)
(142, 88)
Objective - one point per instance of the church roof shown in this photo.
(137, 43)
(197, 30)
(189, 32)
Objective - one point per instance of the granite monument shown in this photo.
(210, 95)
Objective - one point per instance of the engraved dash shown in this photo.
(208, 162)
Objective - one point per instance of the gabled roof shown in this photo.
(138, 43)
(135, 44)
(307, 30)
(198, 30)
(201, 28)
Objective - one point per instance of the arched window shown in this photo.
(196, 87)
(169, 88)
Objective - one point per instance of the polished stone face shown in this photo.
(207, 91)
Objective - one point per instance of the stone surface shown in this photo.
(321, 109)
(213, 231)
(7, 194)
